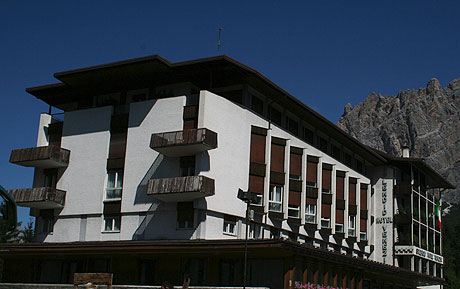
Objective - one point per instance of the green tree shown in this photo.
(451, 249)
(27, 235)
(7, 235)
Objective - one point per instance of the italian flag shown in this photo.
(437, 213)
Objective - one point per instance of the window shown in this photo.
(308, 135)
(257, 105)
(322, 144)
(292, 126)
(114, 185)
(347, 159)
(187, 166)
(47, 218)
(293, 211)
(50, 178)
(336, 152)
(310, 214)
(229, 225)
(185, 215)
(363, 236)
(112, 224)
(351, 226)
(325, 223)
(274, 201)
(339, 228)
(275, 116)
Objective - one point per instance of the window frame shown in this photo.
(350, 227)
(113, 223)
(339, 226)
(328, 220)
(229, 223)
(119, 174)
(272, 203)
(292, 208)
(308, 213)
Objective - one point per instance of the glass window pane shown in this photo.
(108, 224)
(120, 180)
(111, 180)
(117, 224)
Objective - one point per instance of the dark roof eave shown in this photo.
(38, 91)
(420, 163)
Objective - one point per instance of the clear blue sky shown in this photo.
(326, 53)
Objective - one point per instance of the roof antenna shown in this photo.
(218, 42)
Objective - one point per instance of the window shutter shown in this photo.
(339, 214)
(340, 185)
(326, 180)
(363, 225)
(312, 171)
(294, 198)
(256, 184)
(325, 211)
(311, 201)
(363, 197)
(352, 192)
(258, 148)
(295, 165)
(277, 158)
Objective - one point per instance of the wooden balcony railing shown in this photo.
(40, 198)
(184, 142)
(42, 157)
(181, 189)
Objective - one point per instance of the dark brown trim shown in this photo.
(296, 150)
(278, 141)
(257, 169)
(327, 166)
(312, 159)
(295, 185)
(352, 210)
(258, 130)
(340, 174)
(277, 178)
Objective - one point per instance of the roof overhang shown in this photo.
(206, 73)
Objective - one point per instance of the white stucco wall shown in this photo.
(86, 133)
(143, 163)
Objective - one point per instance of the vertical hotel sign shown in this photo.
(384, 224)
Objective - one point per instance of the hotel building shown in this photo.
(139, 176)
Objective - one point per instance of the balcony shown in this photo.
(39, 198)
(181, 189)
(184, 142)
(41, 157)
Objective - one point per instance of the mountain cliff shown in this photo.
(426, 120)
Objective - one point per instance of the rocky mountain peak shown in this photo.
(427, 120)
(433, 87)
